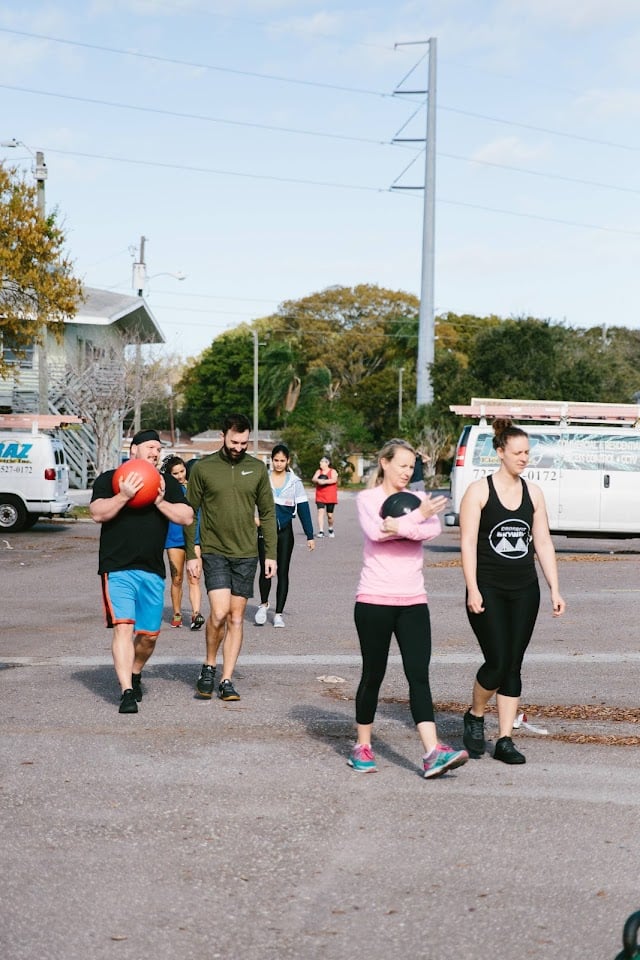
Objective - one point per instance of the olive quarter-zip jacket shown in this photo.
(227, 494)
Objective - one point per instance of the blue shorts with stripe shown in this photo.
(133, 596)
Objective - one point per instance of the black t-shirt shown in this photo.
(135, 538)
(505, 545)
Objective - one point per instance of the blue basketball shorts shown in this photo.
(133, 596)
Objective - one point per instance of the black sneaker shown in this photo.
(128, 702)
(206, 682)
(197, 621)
(136, 683)
(473, 734)
(226, 691)
(506, 751)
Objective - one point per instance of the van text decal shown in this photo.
(14, 452)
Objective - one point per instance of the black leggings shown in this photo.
(283, 559)
(503, 632)
(376, 624)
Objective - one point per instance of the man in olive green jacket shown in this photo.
(225, 489)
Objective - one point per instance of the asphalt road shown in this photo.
(201, 829)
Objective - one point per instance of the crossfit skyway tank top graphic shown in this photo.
(505, 546)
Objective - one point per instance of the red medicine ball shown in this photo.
(148, 493)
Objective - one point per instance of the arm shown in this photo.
(267, 513)
(172, 503)
(470, 510)
(422, 523)
(543, 545)
(104, 508)
(307, 524)
(418, 525)
(191, 531)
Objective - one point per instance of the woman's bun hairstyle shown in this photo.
(503, 431)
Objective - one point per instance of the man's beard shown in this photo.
(233, 454)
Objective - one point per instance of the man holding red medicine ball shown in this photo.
(131, 561)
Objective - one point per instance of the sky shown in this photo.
(251, 142)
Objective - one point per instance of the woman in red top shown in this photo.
(325, 480)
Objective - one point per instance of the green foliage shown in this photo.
(37, 288)
(329, 371)
(220, 382)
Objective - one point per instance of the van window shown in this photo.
(621, 453)
(546, 452)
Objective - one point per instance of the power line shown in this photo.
(326, 135)
(224, 173)
(540, 173)
(535, 216)
(174, 61)
(536, 129)
(119, 105)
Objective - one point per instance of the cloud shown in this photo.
(320, 24)
(582, 15)
(611, 103)
(510, 150)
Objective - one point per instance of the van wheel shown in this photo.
(13, 515)
(31, 520)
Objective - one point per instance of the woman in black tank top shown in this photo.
(503, 525)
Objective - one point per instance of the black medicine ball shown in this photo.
(398, 504)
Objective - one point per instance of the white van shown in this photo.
(34, 478)
(589, 471)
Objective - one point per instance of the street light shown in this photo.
(140, 280)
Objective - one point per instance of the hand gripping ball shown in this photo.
(148, 493)
(398, 504)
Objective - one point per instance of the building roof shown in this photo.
(130, 314)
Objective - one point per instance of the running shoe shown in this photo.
(136, 683)
(277, 620)
(226, 691)
(319, 533)
(206, 681)
(441, 759)
(506, 751)
(197, 621)
(473, 734)
(331, 533)
(362, 759)
(177, 620)
(128, 702)
(261, 614)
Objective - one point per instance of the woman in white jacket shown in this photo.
(290, 499)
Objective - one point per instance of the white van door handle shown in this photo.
(607, 481)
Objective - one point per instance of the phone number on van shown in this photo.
(16, 468)
(540, 475)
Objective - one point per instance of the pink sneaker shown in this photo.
(441, 759)
(362, 759)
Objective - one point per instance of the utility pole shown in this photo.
(254, 333)
(139, 281)
(400, 397)
(43, 362)
(426, 324)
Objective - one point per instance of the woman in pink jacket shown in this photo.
(391, 600)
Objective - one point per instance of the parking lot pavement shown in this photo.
(203, 829)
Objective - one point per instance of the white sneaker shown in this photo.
(277, 620)
(261, 614)
(332, 534)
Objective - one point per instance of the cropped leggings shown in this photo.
(376, 624)
(503, 632)
(284, 550)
